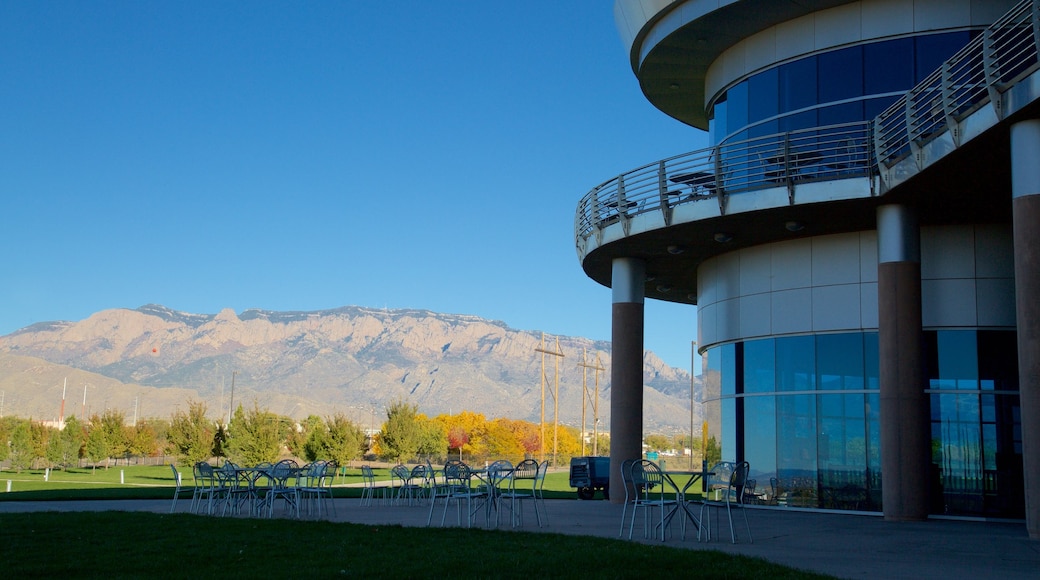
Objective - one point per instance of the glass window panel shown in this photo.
(930, 51)
(998, 359)
(888, 66)
(763, 94)
(874, 107)
(841, 74)
(843, 113)
(796, 449)
(764, 129)
(795, 363)
(839, 361)
(759, 366)
(958, 359)
(760, 439)
(803, 120)
(797, 84)
(729, 429)
(718, 123)
(870, 360)
(729, 370)
(737, 111)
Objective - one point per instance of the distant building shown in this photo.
(853, 241)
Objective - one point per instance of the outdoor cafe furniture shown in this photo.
(457, 487)
(522, 486)
(652, 488)
(728, 479)
(314, 491)
(368, 492)
(685, 504)
(282, 477)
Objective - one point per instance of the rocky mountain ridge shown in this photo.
(352, 360)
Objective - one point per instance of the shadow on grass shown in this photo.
(127, 544)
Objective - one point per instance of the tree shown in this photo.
(338, 439)
(401, 434)
(191, 434)
(657, 443)
(143, 439)
(97, 445)
(433, 439)
(113, 423)
(64, 446)
(254, 437)
(21, 446)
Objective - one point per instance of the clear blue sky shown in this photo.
(311, 155)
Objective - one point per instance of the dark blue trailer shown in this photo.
(589, 474)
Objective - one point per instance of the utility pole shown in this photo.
(555, 395)
(231, 401)
(594, 399)
(61, 415)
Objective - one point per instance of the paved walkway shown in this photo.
(846, 546)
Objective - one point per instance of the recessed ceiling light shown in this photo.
(676, 250)
(664, 288)
(794, 226)
(723, 237)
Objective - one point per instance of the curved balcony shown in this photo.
(678, 211)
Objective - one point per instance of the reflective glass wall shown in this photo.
(840, 86)
(803, 411)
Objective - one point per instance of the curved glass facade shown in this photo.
(840, 86)
(803, 411)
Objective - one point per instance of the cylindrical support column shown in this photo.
(1025, 204)
(905, 430)
(626, 369)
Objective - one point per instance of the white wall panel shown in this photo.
(728, 280)
(760, 50)
(947, 252)
(755, 315)
(936, 14)
(707, 326)
(795, 37)
(836, 307)
(948, 303)
(868, 304)
(996, 302)
(792, 311)
(886, 18)
(835, 259)
(839, 25)
(868, 256)
(707, 287)
(792, 264)
(994, 252)
(727, 319)
(756, 270)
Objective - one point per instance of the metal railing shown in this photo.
(709, 175)
(975, 76)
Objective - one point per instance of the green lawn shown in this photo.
(135, 545)
(156, 482)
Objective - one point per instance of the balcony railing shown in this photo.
(709, 175)
(973, 78)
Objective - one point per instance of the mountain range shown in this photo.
(151, 361)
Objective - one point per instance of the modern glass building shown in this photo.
(858, 242)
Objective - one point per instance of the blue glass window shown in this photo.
(762, 91)
(888, 66)
(841, 74)
(759, 366)
(839, 362)
(795, 363)
(797, 84)
(930, 51)
(737, 113)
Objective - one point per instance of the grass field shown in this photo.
(136, 545)
(156, 482)
(146, 545)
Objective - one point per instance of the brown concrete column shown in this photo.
(1025, 203)
(626, 369)
(905, 429)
